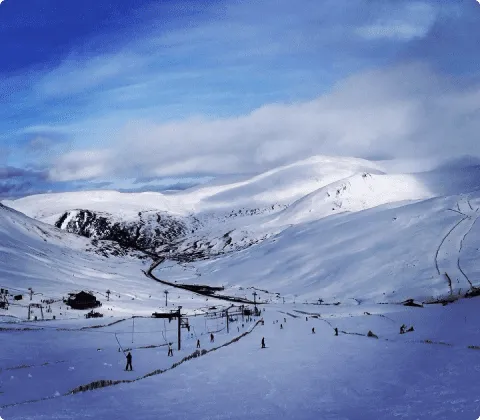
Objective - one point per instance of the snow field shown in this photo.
(299, 375)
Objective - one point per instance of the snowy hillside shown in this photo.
(222, 217)
(389, 253)
(281, 186)
(355, 193)
(54, 263)
(348, 210)
(342, 253)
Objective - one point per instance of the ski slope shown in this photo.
(428, 373)
(390, 238)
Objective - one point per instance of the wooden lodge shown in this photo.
(82, 300)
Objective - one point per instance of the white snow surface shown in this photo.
(279, 186)
(430, 373)
(341, 231)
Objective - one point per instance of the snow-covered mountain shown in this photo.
(222, 217)
(340, 253)
(305, 218)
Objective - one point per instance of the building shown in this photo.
(82, 300)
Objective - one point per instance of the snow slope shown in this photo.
(281, 186)
(384, 243)
(54, 263)
(369, 236)
(388, 253)
(355, 193)
(425, 374)
(49, 207)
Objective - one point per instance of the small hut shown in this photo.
(82, 300)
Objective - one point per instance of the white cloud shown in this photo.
(407, 22)
(402, 112)
(78, 165)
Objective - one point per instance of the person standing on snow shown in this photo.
(198, 343)
(212, 338)
(129, 361)
(170, 350)
(263, 342)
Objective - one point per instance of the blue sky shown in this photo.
(153, 94)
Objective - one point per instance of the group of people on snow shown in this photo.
(403, 330)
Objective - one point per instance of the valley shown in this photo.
(346, 253)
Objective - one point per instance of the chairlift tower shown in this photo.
(35, 305)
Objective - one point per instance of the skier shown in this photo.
(336, 331)
(170, 351)
(212, 338)
(313, 330)
(198, 343)
(285, 320)
(402, 329)
(263, 342)
(306, 318)
(281, 326)
(129, 361)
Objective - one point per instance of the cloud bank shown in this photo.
(401, 112)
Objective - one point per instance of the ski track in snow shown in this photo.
(451, 246)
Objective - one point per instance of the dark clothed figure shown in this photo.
(336, 331)
(170, 351)
(198, 343)
(313, 330)
(129, 361)
(263, 342)
(212, 338)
